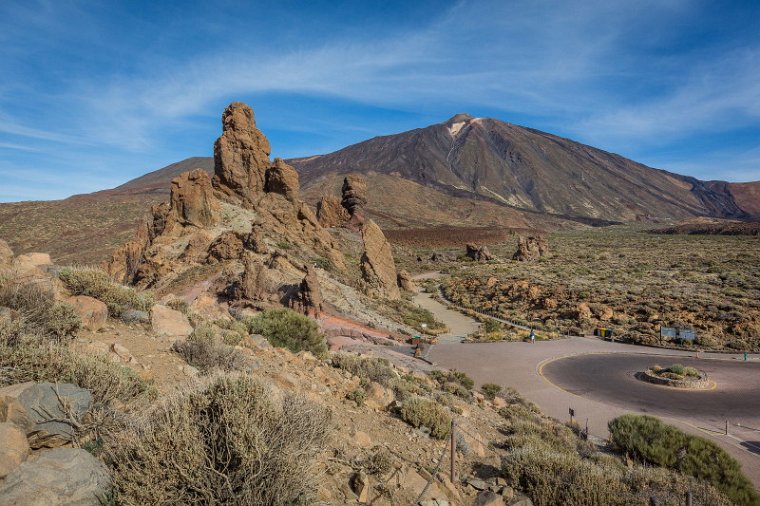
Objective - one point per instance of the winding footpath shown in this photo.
(596, 379)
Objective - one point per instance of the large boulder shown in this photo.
(228, 246)
(55, 410)
(6, 254)
(31, 262)
(12, 411)
(308, 299)
(59, 477)
(169, 322)
(354, 198)
(283, 179)
(377, 265)
(531, 248)
(241, 155)
(478, 253)
(14, 448)
(192, 199)
(92, 312)
(331, 213)
(406, 282)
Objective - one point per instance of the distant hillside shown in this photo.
(527, 169)
(465, 172)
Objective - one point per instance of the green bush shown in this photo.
(419, 412)
(490, 390)
(288, 329)
(97, 284)
(230, 442)
(443, 377)
(368, 369)
(648, 439)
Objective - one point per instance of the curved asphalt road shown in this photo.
(609, 378)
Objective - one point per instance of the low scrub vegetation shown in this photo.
(206, 351)
(97, 284)
(288, 329)
(37, 314)
(240, 444)
(647, 439)
(676, 371)
(553, 466)
(428, 414)
(368, 369)
(407, 312)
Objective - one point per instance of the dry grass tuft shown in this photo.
(233, 440)
(97, 284)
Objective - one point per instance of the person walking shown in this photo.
(532, 335)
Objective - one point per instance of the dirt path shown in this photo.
(459, 325)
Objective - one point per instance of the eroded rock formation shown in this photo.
(478, 253)
(283, 179)
(331, 213)
(405, 281)
(241, 155)
(308, 299)
(531, 248)
(192, 199)
(354, 198)
(377, 265)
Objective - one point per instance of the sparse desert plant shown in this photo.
(419, 412)
(288, 329)
(457, 377)
(229, 441)
(107, 381)
(39, 315)
(490, 390)
(180, 305)
(368, 369)
(97, 284)
(203, 350)
(649, 440)
(379, 462)
(357, 396)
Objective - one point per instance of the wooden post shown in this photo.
(688, 497)
(726, 427)
(452, 475)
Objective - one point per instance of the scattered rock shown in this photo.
(354, 198)
(308, 299)
(123, 354)
(51, 406)
(362, 439)
(192, 199)
(241, 155)
(283, 179)
(14, 448)
(168, 322)
(531, 248)
(12, 411)
(441, 257)
(30, 262)
(405, 281)
(478, 253)
(583, 311)
(331, 213)
(377, 265)
(477, 483)
(488, 498)
(360, 486)
(521, 501)
(92, 312)
(59, 477)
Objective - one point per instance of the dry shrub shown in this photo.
(419, 412)
(287, 329)
(368, 369)
(39, 315)
(232, 441)
(97, 284)
(107, 381)
(203, 350)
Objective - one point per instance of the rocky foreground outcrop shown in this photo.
(478, 253)
(354, 198)
(531, 248)
(377, 265)
(331, 213)
(193, 201)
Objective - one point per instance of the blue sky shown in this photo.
(95, 93)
